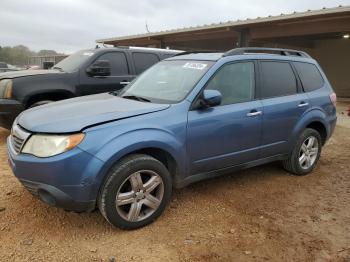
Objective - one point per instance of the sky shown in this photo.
(70, 25)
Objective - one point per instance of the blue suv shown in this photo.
(187, 118)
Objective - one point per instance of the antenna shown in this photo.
(147, 27)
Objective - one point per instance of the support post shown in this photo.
(243, 38)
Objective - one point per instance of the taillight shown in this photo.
(333, 98)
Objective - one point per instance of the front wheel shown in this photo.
(135, 192)
(305, 154)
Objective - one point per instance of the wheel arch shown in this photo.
(315, 119)
(161, 154)
(54, 95)
(160, 144)
(320, 128)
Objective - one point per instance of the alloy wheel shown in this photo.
(140, 195)
(308, 152)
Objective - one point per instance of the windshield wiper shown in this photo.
(137, 98)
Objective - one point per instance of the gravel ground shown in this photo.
(260, 214)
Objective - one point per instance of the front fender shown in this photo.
(29, 86)
(63, 90)
(113, 150)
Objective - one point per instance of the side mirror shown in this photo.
(99, 68)
(211, 98)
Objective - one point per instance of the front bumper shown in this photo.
(9, 110)
(66, 180)
(54, 197)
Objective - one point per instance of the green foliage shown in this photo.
(18, 55)
(46, 53)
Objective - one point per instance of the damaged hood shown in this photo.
(73, 115)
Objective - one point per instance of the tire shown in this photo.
(135, 199)
(296, 163)
(40, 103)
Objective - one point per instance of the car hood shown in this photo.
(22, 73)
(76, 114)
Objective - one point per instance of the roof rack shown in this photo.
(196, 52)
(149, 48)
(276, 51)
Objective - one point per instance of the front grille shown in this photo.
(17, 143)
(18, 138)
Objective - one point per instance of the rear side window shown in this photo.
(143, 61)
(310, 76)
(277, 79)
(119, 65)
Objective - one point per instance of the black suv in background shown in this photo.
(83, 73)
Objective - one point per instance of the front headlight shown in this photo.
(51, 145)
(6, 88)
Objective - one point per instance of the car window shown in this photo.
(143, 61)
(167, 81)
(73, 62)
(277, 79)
(119, 65)
(310, 76)
(235, 82)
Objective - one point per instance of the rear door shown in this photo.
(283, 105)
(120, 73)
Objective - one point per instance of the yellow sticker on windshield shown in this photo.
(198, 66)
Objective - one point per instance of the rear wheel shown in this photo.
(136, 192)
(305, 154)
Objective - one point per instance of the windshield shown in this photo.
(73, 62)
(167, 81)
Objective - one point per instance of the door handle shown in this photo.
(124, 83)
(302, 104)
(254, 113)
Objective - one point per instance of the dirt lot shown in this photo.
(253, 215)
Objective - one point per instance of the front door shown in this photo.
(117, 80)
(228, 134)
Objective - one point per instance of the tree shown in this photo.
(18, 55)
(46, 52)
